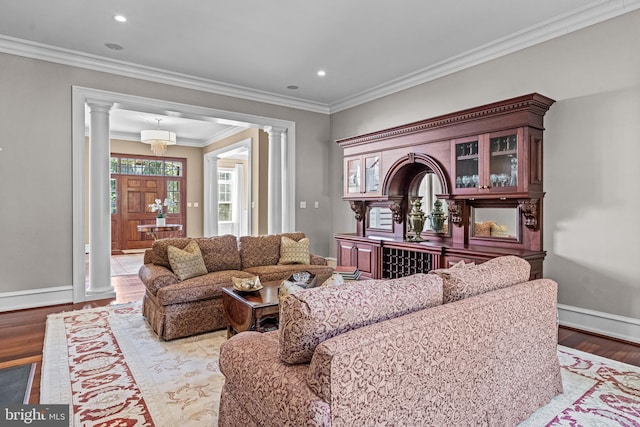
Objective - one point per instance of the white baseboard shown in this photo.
(611, 325)
(331, 262)
(19, 300)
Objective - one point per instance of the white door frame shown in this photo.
(80, 96)
(210, 189)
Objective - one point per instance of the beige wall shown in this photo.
(260, 160)
(36, 165)
(591, 151)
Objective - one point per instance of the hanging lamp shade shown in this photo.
(158, 139)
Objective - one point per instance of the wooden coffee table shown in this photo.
(251, 311)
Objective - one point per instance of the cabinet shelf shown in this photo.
(468, 157)
(505, 153)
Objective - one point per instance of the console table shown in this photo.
(153, 230)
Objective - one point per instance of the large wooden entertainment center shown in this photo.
(484, 163)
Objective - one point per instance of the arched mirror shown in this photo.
(427, 186)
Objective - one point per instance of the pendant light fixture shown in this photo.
(158, 139)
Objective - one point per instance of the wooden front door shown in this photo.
(136, 182)
(137, 193)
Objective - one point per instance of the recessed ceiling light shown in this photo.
(113, 46)
(120, 18)
(292, 87)
(322, 73)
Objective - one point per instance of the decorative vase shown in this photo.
(161, 222)
(416, 220)
(437, 217)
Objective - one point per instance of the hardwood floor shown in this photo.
(22, 333)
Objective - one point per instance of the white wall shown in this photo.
(591, 159)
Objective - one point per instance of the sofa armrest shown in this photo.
(489, 359)
(317, 260)
(155, 277)
(269, 391)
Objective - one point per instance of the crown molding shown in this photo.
(590, 14)
(29, 49)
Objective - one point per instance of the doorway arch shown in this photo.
(80, 97)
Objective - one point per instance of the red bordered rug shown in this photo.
(113, 370)
(109, 365)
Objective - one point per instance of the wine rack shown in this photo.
(401, 262)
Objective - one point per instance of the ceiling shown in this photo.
(256, 49)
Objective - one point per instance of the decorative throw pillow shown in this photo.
(292, 252)
(287, 287)
(186, 263)
(460, 282)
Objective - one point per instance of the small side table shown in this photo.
(153, 230)
(252, 311)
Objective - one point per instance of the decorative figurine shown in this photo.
(437, 217)
(416, 220)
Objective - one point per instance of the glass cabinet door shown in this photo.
(372, 174)
(466, 153)
(353, 176)
(503, 162)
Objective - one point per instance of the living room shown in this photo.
(589, 158)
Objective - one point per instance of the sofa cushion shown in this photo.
(312, 316)
(198, 288)
(262, 250)
(292, 252)
(220, 252)
(463, 282)
(159, 249)
(186, 263)
(270, 273)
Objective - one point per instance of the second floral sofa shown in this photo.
(178, 308)
(467, 346)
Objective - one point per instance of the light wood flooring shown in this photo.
(22, 333)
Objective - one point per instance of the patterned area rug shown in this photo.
(112, 369)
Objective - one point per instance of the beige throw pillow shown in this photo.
(292, 252)
(186, 263)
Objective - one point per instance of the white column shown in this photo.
(286, 176)
(274, 211)
(99, 211)
(211, 195)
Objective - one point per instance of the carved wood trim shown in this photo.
(529, 209)
(358, 208)
(396, 209)
(413, 158)
(456, 209)
(536, 103)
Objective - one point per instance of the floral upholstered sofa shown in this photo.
(390, 352)
(178, 305)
